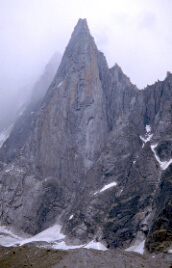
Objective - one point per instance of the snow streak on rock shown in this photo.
(5, 134)
(163, 164)
(71, 217)
(148, 128)
(107, 186)
(148, 135)
(60, 84)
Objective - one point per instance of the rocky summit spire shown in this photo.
(81, 26)
(78, 79)
(80, 50)
(67, 134)
(81, 31)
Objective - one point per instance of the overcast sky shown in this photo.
(135, 34)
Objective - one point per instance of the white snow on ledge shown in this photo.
(139, 248)
(107, 186)
(163, 164)
(71, 217)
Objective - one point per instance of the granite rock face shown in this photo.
(93, 129)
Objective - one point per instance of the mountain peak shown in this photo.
(82, 23)
(81, 43)
(81, 28)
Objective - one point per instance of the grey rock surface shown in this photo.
(92, 128)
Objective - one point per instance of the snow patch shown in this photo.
(60, 84)
(49, 235)
(95, 245)
(163, 164)
(5, 134)
(107, 186)
(148, 128)
(4, 230)
(52, 235)
(148, 135)
(138, 247)
(62, 245)
(170, 251)
(12, 167)
(91, 245)
(71, 217)
(8, 239)
(148, 138)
